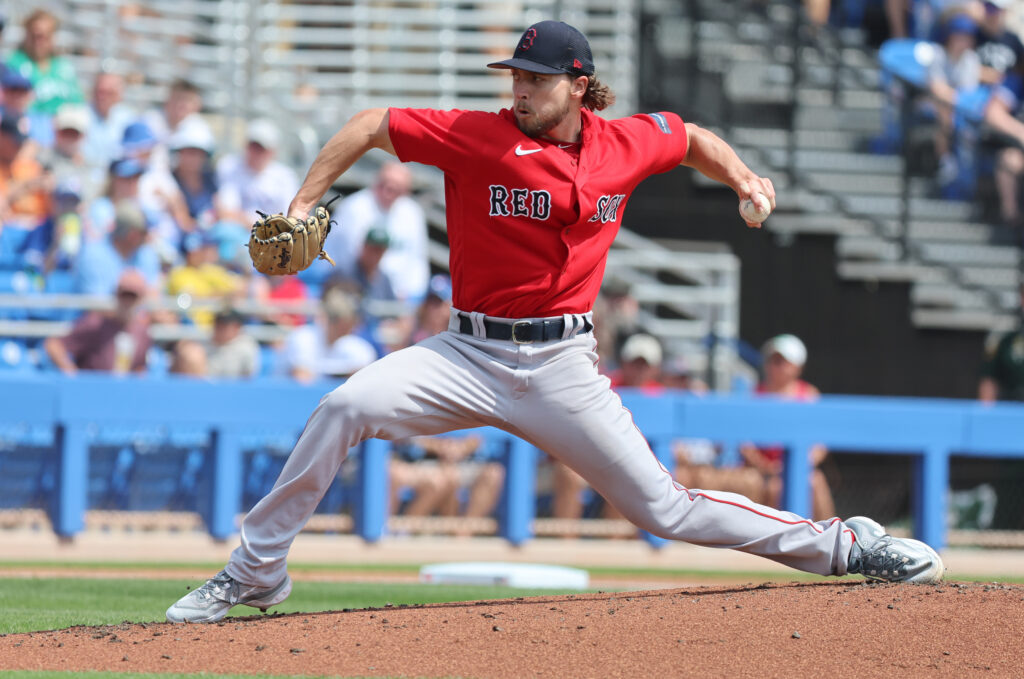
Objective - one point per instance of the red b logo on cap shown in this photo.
(528, 39)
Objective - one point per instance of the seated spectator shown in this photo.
(180, 113)
(188, 358)
(64, 161)
(114, 341)
(53, 76)
(1000, 49)
(697, 461)
(108, 118)
(923, 19)
(363, 276)
(232, 353)
(639, 364)
(101, 262)
(122, 186)
(159, 194)
(784, 359)
(24, 203)
(191, 151)
(287, 289)
(256, 180)
(202, 277)
(955, 70)
(17, 95)
(677, 374)
(330, 346)
(386, 205)
(436, 469)
(616, 313)
(434, 312)
(64, 241)
(1002, 372)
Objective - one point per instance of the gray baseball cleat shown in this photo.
(879, 556)
(212, 601)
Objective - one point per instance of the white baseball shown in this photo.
(756, 210)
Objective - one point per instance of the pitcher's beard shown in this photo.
(538, 126)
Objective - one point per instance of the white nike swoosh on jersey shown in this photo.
(564, 146)
(520, 151)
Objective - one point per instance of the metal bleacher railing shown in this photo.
(222, 422)
(310, 65)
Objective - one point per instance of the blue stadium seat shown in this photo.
(157, 362)
(60, 282)
(268, 361)
(12, 241)
(19, 283)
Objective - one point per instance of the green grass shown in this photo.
(36, 604)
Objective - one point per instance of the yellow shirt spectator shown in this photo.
(202, 278)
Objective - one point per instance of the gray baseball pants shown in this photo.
(551, 395)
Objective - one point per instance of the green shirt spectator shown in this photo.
(53, 77)
(1003, 370)
(1002, 373)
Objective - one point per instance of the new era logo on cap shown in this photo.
(551, 47)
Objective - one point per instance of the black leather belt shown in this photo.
(522, 332)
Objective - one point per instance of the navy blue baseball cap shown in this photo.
(14, 80)
(551, 47)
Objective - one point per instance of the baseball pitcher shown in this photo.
(535, 195)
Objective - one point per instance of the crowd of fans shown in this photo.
(970, 58)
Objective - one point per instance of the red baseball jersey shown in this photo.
(530, 221)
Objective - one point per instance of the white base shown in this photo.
(523, 575)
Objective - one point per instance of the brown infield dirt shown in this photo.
(770, 630)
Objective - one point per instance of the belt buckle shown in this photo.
(521, 324)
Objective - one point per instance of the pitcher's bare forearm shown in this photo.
(710, 155)
(364, 131)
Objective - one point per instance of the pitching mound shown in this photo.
(793, 630)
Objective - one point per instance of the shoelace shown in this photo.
(220, 586)
(879, 562)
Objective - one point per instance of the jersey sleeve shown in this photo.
(661, 137)
(425, 136)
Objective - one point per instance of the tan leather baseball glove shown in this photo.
(280, 245)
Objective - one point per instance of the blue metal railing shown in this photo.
(929, 430)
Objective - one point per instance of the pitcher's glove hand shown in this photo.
(280, 245)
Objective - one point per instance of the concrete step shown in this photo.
(963, 319)
(1005, 278)
(862, 183)
(814, 160)
(910, 272)
(829, 117)
(811, 140)
(953, 232)
(944, 295)
(871, 248)
(889, 207)
(999, 256)
(819, 224)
